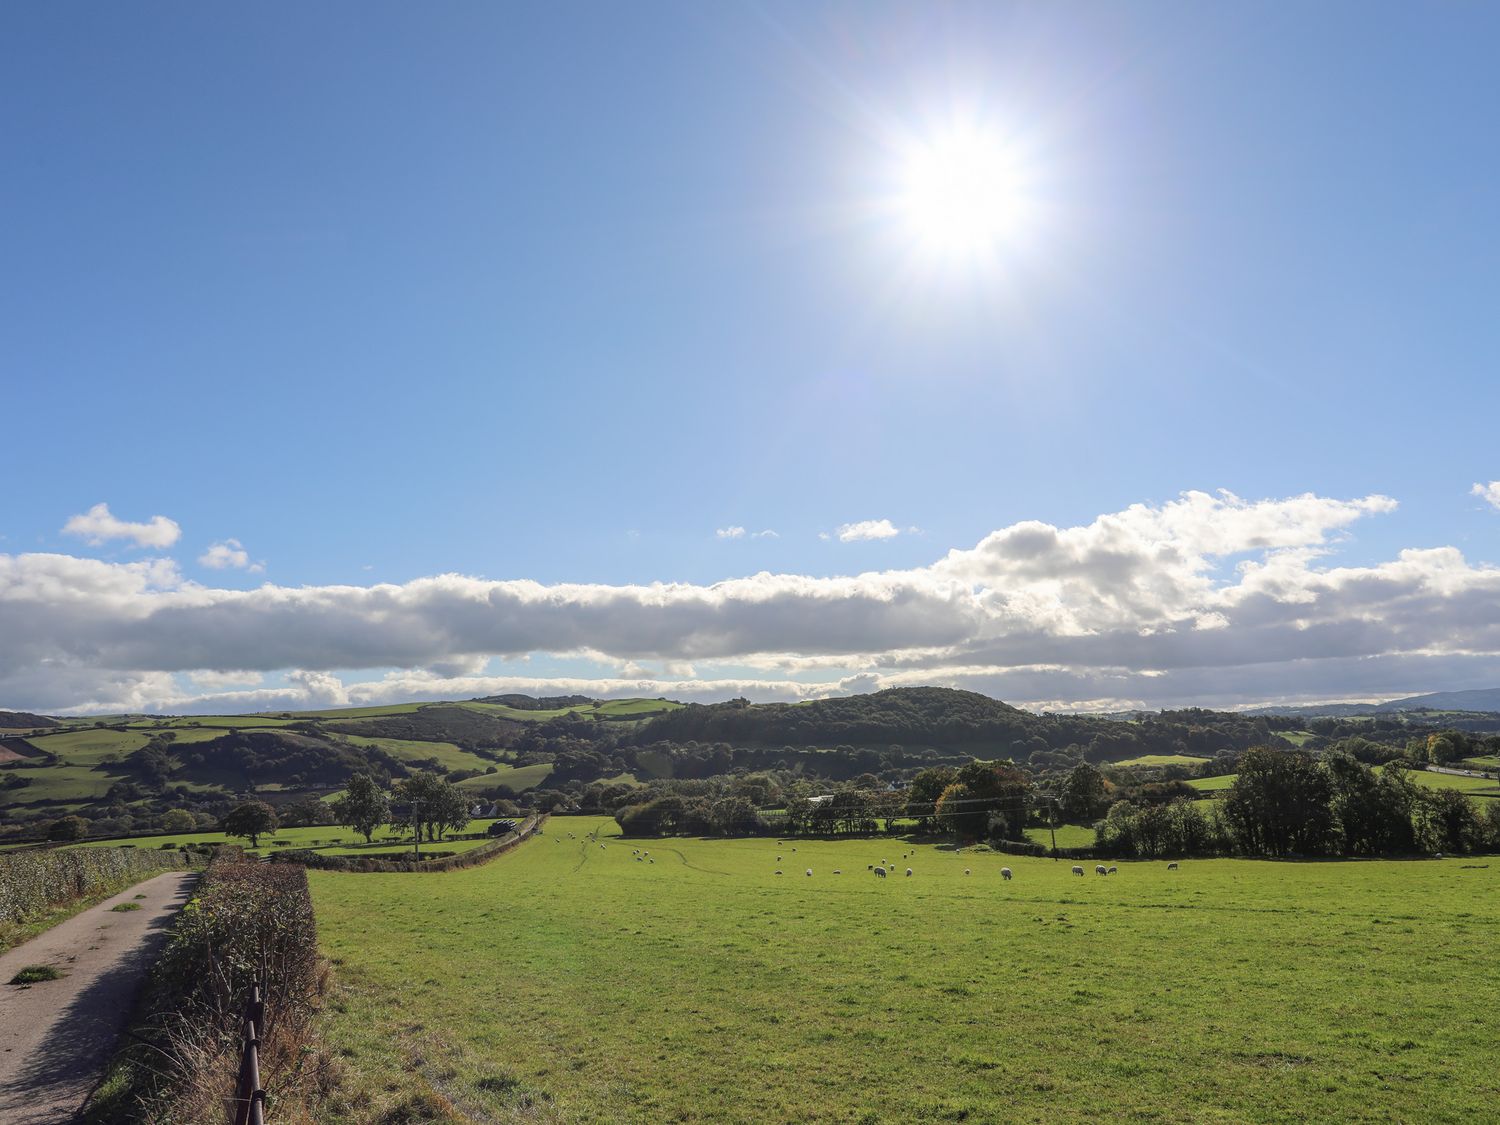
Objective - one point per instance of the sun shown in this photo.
(962, 193)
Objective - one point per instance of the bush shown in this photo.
(33, 881)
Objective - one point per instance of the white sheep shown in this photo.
(908, 871)
(778, 872)
(1439, 855)
(1005, 873)
(1114, 870)
(809, 872)
(1100, 869)
(1172, 866)
(879, 871)
(966, 871)
(838, 872)
(1077, 871)
(871, 867)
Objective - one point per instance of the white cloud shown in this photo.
(766, 534)
(730, 533)
(98, 525)
(1208, 598)
(229, 554)
(1489, 493)
(867, 529)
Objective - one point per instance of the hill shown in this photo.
(1482, 699)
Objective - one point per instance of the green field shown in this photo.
(569, 982)
(1164, 760)
(519, 778)
(1068, 836)
(1213, 784)
(449, 756)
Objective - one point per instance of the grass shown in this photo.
(449, 756)
(565, 982)
(125, 907)
(1164, 760)
(1212, 784)
(1068, 836)
(35, 974)
(519, 778)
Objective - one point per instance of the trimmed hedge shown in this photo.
(475, 856)
(33, 881)
(249, 923)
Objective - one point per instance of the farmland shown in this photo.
(566, 981)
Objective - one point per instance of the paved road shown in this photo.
(56, 1036)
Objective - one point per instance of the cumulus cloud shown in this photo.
(99, 525)
(730, 533)
(229, 554)
(768, 533)
(867, 529)
(1208, 598)
(1489, 493)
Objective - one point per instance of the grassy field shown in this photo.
(1213, 784)
(1068, 836)
(449, 756)
(570, 982)
(1164, 760)
(519, 778)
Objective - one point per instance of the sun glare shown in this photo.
(962, 193)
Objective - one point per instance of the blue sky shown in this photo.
(553, 293)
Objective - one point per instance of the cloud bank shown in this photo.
(1207, 599)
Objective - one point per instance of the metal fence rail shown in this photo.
(249, 1098)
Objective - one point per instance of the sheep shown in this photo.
(1077, 871)
(966, 871)
(1439, 855)
(809, 872)
(838, 872)
(778, 859)
(1100, 869)
(879, 872)
(1114, 870)
(1172, 866)
(638, 859)
(778, 872)
(651, 861)
(1005, 873)
(871, 867)
(908, 872)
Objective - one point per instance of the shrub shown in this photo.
(33, 881)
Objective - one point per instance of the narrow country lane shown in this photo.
(56, 1036)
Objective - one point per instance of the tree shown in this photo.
(251, 820)
(925, 789)
(1279, 804)
(1085, 793)
(432, 805)
(307, 813)
(734, 816)
(178, 820)
(1448, 822)
(363, 807)
(68, 828)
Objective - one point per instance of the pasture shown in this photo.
(565, 981)
(1162, 760)
(335, 840)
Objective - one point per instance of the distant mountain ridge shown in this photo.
(1478, 699)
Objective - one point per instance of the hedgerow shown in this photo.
(251, 923)
(33, 881)
(450, 862)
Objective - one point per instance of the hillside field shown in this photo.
(569, 981)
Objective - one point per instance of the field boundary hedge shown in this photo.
(35, 880)
(471, 858)
(249, 924)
